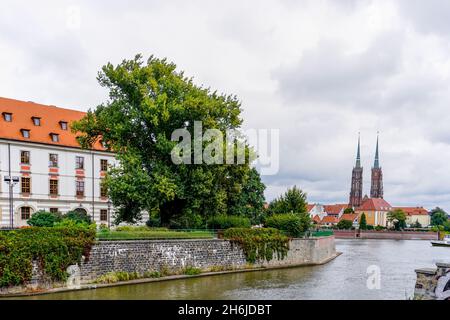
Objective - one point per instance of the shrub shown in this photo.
(292, 224)
(54, 248)
(344, 224)
(259, 244)
(44, 219)
(191, 271)
(369, 227)
(78, 216)
(379, 228)
(153, 222)
(227, 221)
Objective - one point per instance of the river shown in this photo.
(343, 278)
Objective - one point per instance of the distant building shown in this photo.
(357, 181)
(376, 210)
(329, 221)
(353, 217)
(316, 210)
(335, 210)
(416, 214)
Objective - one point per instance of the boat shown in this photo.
(442, 243)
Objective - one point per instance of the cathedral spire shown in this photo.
(377, 160)
(358, 154)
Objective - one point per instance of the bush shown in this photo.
(226, 222)
(345, 225)
(259, 244)
(191, 271)
(54, 248)
(369, 227)
(78, 216)
(292, 224)
(44, 219)
(153, 222)
(379, 228)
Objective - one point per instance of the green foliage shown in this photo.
(344, 224)
(43, 219)
(293, 224)
(349, 210)
(370, 227)
(54, 248)
(77, 216)
(363, 222)
(143, 232)
(398, 218)
(147, 102)
(191, 271)
(224, 222)
(153, 222)
(259, 244)
(438, 217)
(379, 228)
(293, 200)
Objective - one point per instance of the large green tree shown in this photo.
(438, 217)
(363, 222)
(398, 218)
(148, 101)
(292, 201)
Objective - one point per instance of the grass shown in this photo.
(143, 234)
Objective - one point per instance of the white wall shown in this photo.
(39, 198)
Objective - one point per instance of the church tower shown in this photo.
(376, 187)
(357, 181)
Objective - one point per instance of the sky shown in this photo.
(320, 71)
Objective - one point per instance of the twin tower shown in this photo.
(376, 187)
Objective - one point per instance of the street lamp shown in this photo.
(11, 181)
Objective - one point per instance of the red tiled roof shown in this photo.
(316, 219)
(335, 208)
(375, 204)
(349, 216)
(50, 117)
(310, 206)
(413, 211)
(329, 219)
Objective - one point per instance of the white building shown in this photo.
(55, 174)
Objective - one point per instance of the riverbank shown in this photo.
(384, 234)
(173, 256)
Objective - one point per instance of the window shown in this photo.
(25, 213)
(103, 165)
(103, 215)
(53, 160)
(7, 116)
(25, 133)
(103, 189)
(26, 185)
(63, 125)
(25, 157)
(54, 137)
(36, 121)
(79, 162)
(54, 210)
(53, 187)
(80, 188)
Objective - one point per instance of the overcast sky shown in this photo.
(320, 71)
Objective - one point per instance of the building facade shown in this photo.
(54, 174)
(416, 214)
(376, 211)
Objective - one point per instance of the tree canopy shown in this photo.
(148, 102)
(292, 201)
(438, 217)
(398, 218)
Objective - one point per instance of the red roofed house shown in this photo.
(376, 210)
(416, 214)
(38, 148)
(316, 210)
(335, 210)
(353, 217)
(329, 220)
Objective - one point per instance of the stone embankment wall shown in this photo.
(395, 235)
(174, 255)
(433, 284)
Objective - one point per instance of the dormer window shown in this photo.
(25, 133)
(54, 137)
(36, 121)
(7, 116)
(63, 125)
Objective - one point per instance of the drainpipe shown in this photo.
(93, 188)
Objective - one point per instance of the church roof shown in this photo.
(375, 204)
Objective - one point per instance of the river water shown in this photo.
(345, 277)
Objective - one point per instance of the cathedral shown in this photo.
(376, 186)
